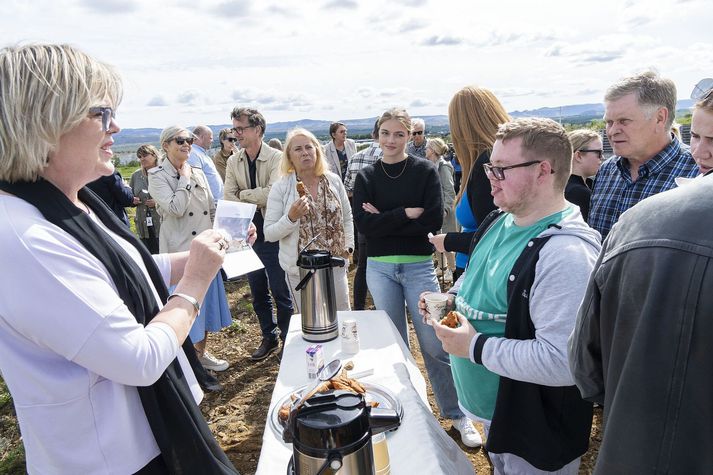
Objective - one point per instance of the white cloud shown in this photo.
(157, 101)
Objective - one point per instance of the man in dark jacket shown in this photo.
(642, 342)
(112, 190)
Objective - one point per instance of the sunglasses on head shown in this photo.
(107, 113)
(182, 140)
(231, 139)
(417, 132)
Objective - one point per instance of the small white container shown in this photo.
(350, 337)
(315, 360)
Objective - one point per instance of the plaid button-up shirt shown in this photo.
(614, 191)
(358, 161)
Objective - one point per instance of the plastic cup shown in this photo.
(382, 465)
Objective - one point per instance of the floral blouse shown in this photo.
(325, 220)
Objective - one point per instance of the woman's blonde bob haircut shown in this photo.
(45, 91)
(170, 133)
(286, 166)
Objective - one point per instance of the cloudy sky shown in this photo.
(191, 62)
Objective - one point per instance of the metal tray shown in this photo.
(374, 392)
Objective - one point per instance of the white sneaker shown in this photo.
(211, 362)
(468, 433)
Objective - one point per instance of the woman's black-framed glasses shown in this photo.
(598, 151)
(107, 114)
(499, 172)
(231, 139)
(182, 140)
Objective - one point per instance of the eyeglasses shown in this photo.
(231, 139)
(417, 132)
(240, 130)
(499, 172)
(598, 151)
(182, 140)
(107, 114)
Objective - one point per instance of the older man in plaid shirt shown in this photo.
(639, 111)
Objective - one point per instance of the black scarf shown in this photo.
(186, 443)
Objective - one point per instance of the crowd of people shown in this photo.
(564, 265)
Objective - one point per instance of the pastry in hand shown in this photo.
(451, 319)
(301, 189)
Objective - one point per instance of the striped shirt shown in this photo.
(614, 191)
(358, 161)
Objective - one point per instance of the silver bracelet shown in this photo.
(187, 298)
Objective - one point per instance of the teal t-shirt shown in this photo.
(482, 299)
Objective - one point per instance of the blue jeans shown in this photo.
(274, 277)
(392, 284)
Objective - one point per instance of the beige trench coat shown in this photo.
(184, 213)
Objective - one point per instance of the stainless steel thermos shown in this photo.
(316, 287)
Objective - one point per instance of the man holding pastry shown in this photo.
(516, 305)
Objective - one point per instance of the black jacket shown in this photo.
(642, 343)
(579, 192)
(112, 190)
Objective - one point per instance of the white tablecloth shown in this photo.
(419, 445)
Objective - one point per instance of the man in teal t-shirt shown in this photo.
(518, 301)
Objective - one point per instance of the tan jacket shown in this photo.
(220, 162)
(330, 154)
(184, 213)
(237, 176)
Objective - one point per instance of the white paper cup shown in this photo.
(436, 305)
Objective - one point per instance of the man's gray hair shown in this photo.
(418, 121)
(651, 90)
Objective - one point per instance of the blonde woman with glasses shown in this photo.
(95, 350)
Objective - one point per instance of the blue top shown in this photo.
(200, 159)
(614, 191)
(464, 216)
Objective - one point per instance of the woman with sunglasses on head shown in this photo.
(93, 351)
(227, 148)
(186, 206)
(147, 220)
(587, 153)
(397, 202)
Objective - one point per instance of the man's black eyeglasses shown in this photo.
(240, 130)
(417, 132)
(107, 114)
(499, 172)
(598, 151)
(182, 140)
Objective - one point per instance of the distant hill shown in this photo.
(128, 139)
